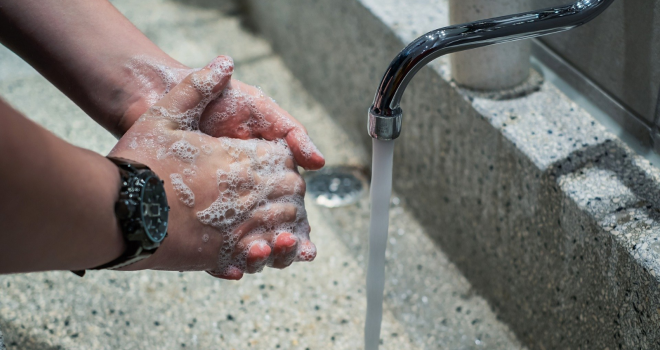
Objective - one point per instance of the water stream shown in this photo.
(381, 189)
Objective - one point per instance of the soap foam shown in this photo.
(234, 101)
(204, 84)
(307, 147)
(185, 194)
(189, 172)
(185, 151)
(258, 169)
(154, 78)
(262, 244)
(242, 193)
(207, 150)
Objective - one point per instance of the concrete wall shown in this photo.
(550, 217)
(620, 51)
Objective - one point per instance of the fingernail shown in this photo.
(222, 65)
(307, 252)
(263, 247)
(288, 240)
(319, 153)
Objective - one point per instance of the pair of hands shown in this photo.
(228, 155)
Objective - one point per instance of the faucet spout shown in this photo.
(385, 114)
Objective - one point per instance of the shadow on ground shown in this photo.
(230, 7)
(18, 338)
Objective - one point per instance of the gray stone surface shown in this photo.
(554, 220)
(320, 305)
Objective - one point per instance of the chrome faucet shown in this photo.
(385, 114)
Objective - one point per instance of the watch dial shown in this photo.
(154, 209)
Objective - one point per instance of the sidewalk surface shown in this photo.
(317, 305)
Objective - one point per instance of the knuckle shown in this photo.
(290, 212)
(290, 163)
(296, 184)
(301, 186)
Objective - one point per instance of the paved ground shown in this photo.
(320, 305)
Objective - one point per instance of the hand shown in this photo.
(236, 205)
(241, 111)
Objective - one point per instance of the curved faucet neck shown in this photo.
(385, 114)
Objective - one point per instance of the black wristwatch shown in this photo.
(142, 213)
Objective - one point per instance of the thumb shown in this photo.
(304, 150)
(184, 104)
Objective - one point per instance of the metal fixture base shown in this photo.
(385, 127)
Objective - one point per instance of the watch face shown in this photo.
(154, 209)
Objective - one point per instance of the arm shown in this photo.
(85, 48)
(93, 54)
(57, 203)
(54, 213)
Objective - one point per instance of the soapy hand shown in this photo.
(241, 111)
(236, 205)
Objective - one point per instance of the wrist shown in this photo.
(100, 240)
(111, 244)
(64, 218)
(142, 213)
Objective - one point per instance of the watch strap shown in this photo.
(127, 164)
(133, 254)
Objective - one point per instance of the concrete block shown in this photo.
(319, 305)
(553, 219)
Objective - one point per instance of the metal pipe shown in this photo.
(385, 114)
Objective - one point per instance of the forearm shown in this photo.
(57, 203)
(85, 48)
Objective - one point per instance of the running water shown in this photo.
(381, 189)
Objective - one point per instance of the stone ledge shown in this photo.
(553, 219)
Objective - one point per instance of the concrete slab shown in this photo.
(319, 305)
(550, 217)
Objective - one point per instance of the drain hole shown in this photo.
(336, 186)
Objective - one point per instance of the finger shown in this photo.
(268, 217)
(258, 254)
(250, 254)
(243, 112)
(230, 273)
(283, 125)
(307, 251)
(276, 152)
(292, 184)
(285, 250)
(265, 150)
(304, 150)
(235, 113)
(186, 101)
(227, 116)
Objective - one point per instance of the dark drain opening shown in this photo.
(336, 186)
